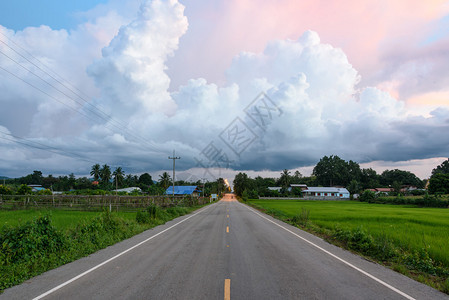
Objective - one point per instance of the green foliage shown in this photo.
(425, 201)
(353, 187)
(421, 261)
(439, 183)
(164, 180)
(367, 196)
(37, 246)
(245, 196)
(157, 215)
(145, 179)
(389, 177)
(24, 190)
(30, 242)
(442, 169)
(105, 175)
(302, 218)
(4, 190)
(156, 190)
(44, 192)
(95, 172)
(241, 183)
(333, 170)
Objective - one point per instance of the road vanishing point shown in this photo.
(225, 250)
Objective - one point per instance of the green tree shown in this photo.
(156, 190)
(439, 183)
(145, 179)
(388, 177)
(369, 179)
(164, 180)
(24, 190)
(353, 188)
(397, 186)
(96, 172)
(4, 190)
(119, 176)
(333, 170)
(284, 180)
(105, 175)
(241, 183)
(443, 168)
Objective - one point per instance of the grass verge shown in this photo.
(32, 247)
(413, 241)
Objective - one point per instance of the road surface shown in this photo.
(223, 251)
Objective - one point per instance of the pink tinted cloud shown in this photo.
(363, 29)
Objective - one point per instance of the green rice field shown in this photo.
(408, 227)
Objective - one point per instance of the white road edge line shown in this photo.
(336, 257)
(114, 257)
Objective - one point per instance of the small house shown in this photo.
(326, 193)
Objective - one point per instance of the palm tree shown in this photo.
(285, 180)
(95, 172)
(119, 175)
(164, 180)
(105, 175)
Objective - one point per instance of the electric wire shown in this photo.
(98, 112)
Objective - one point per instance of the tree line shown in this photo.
(334, 171)
(104, 180)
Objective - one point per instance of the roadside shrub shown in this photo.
(302, 218)
(30, 241)
(421, 261)
(143, 217)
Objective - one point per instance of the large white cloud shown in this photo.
(317, 106)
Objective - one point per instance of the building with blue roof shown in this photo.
(183, 190)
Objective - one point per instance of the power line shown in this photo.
(107, 118)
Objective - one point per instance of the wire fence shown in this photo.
(95, 202)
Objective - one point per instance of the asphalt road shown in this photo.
(223, 251)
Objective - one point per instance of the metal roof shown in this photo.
(314, 189)
(182, 190)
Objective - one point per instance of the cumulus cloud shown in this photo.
(312, 104)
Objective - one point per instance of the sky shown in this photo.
(254, 86)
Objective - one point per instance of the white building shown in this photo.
(326, 192)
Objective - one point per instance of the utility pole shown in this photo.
(204, 186)
(174, 159)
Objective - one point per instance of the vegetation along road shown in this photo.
(224, 250)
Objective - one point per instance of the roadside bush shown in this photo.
(302, 218)
(421, 261)
(30, 241)
(143, 217)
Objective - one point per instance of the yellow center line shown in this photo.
(227, 216)
(227, 229)
(227, 289)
